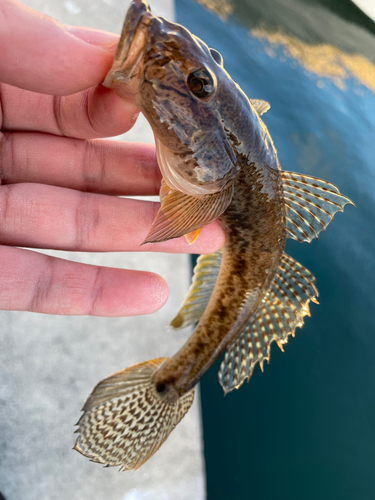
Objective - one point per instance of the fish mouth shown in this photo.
(127, 69)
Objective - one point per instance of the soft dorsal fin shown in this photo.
(260, 106)
(281, 311)
(204, 279)
(311, 204)
(180, 214)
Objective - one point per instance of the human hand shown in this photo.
(58, 180)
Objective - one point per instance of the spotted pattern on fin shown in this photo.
(204, 279)
(281, 311)
(311, 204)
(125, 420)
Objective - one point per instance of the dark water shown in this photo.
(305, 429)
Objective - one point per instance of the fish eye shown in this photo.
(201, 83)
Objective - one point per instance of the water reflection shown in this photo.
(304, 428)
(323, 60)
(223, 8)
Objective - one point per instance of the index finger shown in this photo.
(40, 54)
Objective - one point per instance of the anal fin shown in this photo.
(281, 312)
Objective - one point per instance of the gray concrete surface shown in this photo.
(49, 364)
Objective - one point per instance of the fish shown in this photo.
(218, 162)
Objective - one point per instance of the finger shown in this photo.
(100, 166)
(94, 112)
(39, 216)
(35, 282)
(42, 55)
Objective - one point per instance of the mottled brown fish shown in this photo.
(218, 162)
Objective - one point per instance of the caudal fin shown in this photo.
(125, 420)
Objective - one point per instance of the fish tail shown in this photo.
(126, 419)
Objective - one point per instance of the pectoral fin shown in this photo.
(311, 204)
(282, 310)
(181, 214)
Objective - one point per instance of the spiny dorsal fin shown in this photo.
(311, 204)
(260, 106)
(281, 311)
(125, 420)
(180, 214)
(204, 279)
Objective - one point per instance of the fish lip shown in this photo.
(127, 66)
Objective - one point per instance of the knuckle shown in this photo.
(87, 219)
(6, 200)
(58, 114)
(6, 156)
(94, 171)
(42, 289)
(97, 293)
(1, 106)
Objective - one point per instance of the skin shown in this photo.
(233, 144)
(59, 181)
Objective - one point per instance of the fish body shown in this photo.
(255, 239)
(218, 162)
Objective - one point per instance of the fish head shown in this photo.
(182, 88)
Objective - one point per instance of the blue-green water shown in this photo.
(305, 428)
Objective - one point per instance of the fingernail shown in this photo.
(94, 37)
